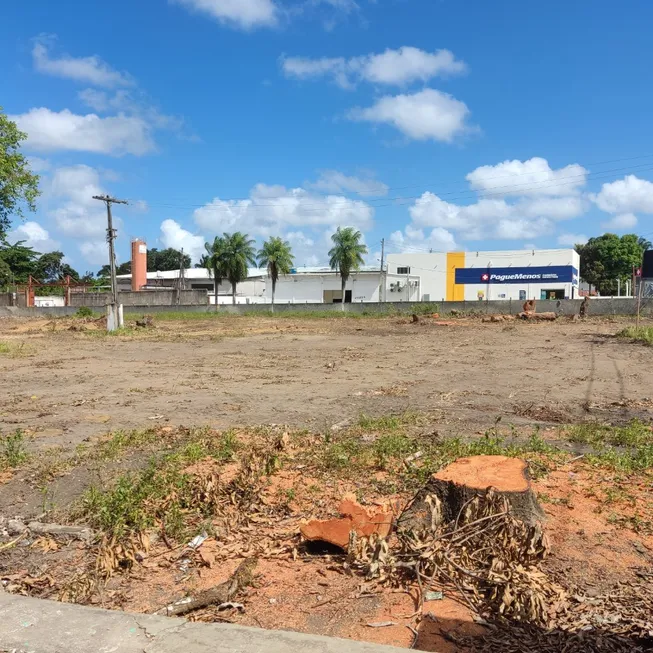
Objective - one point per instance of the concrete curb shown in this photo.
(35, 626)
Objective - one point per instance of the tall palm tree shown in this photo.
(346, 255)
(276, 255)
(214, 262)
(238, 253)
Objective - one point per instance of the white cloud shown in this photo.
(271, 210)
(532, 177)
(245, 14)
(628, 195)
(426, 115)
(78, 214)
(392, 67)
(174, 235)
(95, 252)
(35, 236)
(413, 239)
(333, 181)
(303, 249)
(50, 131)
(621, 222)
(570, 240)
(37, 164)
(82, 69)
(526, 218)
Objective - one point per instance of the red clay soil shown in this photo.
(480, 472)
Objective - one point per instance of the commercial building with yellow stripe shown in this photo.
(480, 276)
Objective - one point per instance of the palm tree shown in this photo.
(346, 254)
(277, 256)
(214, 262)
(238, 254)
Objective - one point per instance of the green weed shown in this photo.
(626, 448)
(84, 311)
(161, 494)
(641, 334)
(12, 450)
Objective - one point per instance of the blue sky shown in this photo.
(435, 124)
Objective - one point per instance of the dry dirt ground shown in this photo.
(64, 387)
(68, 392)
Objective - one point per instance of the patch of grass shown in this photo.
(120, 441)
(84, 311)
(626, 448)
(161, 494)
(641, 334)
(15, 349)
(13, 452)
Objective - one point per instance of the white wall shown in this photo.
(429, 269)
(309, 288)
(52, 300)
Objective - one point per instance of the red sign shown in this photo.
(638, 272)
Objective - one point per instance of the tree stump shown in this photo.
(456, 485)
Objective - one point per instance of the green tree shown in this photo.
(346, 255)
(6, 276)
(276, 255)
(20, 260)
(51, 267)
(606, 258)
(238, 253)
(165, 259)
(214, 263)
(18, 185)
(105, 271)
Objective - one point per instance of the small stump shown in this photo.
(456, 485)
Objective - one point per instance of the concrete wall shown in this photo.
(142, 298)
(602, 306)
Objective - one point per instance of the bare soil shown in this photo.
(65, 388)
(68, 387)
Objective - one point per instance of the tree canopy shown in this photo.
(346, 255)
(609, 257)
(276, 255)
(213, 261)
(238, 254)
(19, 187)
(165, 259)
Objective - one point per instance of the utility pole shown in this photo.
(111, 236)
(382, 291)
(181, 281)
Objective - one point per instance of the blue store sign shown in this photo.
(543, 274)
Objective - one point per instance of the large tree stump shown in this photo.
(467, 478)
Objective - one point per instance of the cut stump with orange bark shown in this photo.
(460, 482)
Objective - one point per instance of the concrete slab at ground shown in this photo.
(35, 626)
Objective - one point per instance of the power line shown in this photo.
(512, 176)
(397, 201)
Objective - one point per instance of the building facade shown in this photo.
(303, 286)
(480, 276)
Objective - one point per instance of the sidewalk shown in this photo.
(34, 626)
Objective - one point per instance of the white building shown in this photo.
(302, 286)
(458, 276)
(415, 277)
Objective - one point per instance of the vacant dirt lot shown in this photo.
(64, 387)
(270, 421)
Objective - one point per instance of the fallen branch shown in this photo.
(217, 595)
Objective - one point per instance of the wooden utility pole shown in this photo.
(111, 236)
(384, 279)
